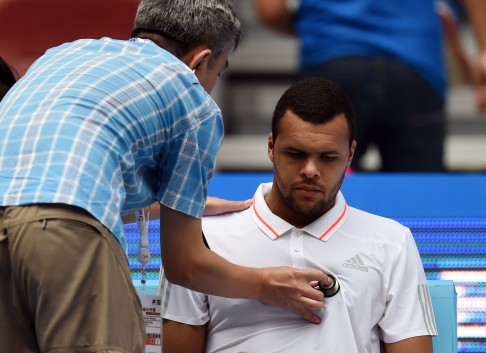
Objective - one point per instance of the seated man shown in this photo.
(303, 220)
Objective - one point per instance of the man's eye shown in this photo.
(295, 153)
(330, 157)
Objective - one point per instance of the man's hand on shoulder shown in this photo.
(216, 206)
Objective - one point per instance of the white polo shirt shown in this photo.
(383, 296)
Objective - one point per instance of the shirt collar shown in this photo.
(151, 42)
(274, 227)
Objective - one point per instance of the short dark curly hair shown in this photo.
(317, 101)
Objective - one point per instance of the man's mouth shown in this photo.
(307, 190)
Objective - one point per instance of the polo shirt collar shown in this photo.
(274, 227)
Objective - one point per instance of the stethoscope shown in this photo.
(143, 255)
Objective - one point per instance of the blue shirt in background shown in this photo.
(408, 31)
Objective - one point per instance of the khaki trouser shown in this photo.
(65, 284)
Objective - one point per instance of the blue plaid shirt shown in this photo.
(109, 126)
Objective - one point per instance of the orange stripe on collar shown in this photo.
(335, 223)
(264, 223)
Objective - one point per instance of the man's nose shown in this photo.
(309, 169)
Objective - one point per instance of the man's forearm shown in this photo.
(476, 10)
(276, 15)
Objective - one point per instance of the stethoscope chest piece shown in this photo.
(330, 290)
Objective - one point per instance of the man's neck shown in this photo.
(160, 40)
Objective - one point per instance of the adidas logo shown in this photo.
(355, 263)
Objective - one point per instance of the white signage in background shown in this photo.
(151, 306)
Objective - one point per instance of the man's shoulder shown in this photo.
(227, 222)
(367, 220)
(369, 228)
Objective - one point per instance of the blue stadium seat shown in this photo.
(444, 301)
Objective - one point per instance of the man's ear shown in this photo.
(270, 147)
(351, 152)
(197, 56)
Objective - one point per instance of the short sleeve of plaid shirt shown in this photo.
(189, 166)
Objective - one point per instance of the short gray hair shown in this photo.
(189, 23)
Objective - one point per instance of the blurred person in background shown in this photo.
(98, 128)
(7, 78)
(302, 218)
(388, 56)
